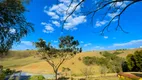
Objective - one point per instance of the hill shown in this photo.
(33, 64)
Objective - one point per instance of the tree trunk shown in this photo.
(56, 74)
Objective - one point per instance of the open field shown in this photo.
(33, 64)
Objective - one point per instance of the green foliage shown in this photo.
(121, 49)
(4, 73)
(65, 69)
(8, 71)
(37, 77)
(125, 66)
(103, 70)
(89, 60)
(117, 52)
(2, 76)
(13, 24)
(68, 47)
(134, 61)
(111, 61)
(68, 44)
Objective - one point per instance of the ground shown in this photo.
(34, 64)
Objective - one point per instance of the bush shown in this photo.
(89, 60)
(117, 52)
(134, 61)
(37, 77)
(2, 76)
(8, 71)
(112, 62)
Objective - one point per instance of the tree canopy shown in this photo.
(134, 61)
(13, 24)
(68, 47)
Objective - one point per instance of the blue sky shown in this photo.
(46, 17)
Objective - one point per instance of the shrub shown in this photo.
(79, 58)
(8, 71)
(37, 77)
(2, 76)
(134, 61)
(116, 52)
(111, 61)
(89, 60)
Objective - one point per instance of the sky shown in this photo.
(47, 16)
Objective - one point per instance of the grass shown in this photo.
(34, 65)
(13, 62)
(106, 78)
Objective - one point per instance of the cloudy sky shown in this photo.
(47, 17)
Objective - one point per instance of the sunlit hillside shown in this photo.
(34, 64)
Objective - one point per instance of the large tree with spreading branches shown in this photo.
(68, 47)
(13, 24)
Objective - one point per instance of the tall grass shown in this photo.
(21, 54)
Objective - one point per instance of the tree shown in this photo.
(114, 8)
(80, 50)
(134, 61)
(103, 70)
(87, 72)
(67, 49)
(13, 24)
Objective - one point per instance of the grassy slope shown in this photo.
(13, 62)
(34, 65)
(74, 64)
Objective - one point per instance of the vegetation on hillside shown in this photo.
(134, 61)
(109, 60)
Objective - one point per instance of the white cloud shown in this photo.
(99, 47)
(127, 45)
(29, 43)
(112, 15)
(105, 37)
(55, 41)
(114, 20)
(59, 12)
(101, 23)
(81, 42)
(72, 22)
(52, 14)
(23, 45)
(133, 42)
(65, 1)
(48, 28)
(56, 23)
(88, 44)
(122, 4)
